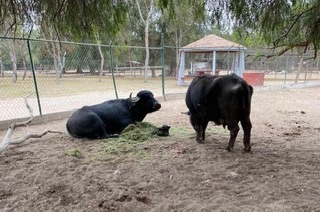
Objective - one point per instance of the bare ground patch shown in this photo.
(60, 173)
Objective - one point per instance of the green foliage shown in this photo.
(249, 40)
(283, 24)
(76, 18)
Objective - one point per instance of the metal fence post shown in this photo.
(112, 71)
(162, 64)
(34, 77)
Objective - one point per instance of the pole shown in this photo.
(162, 64)
(228, 65)
(112, 71)
(34, 77)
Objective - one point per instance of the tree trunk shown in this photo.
(54, 56)
(63, 70)
(306, 71)
(101, 63)
(146, 42)
(54, 49)
(79, 70)
(1, 66)
(92, 69)
(299, 70)
(130, 64)
(101, 56)
(24, 68)
(146, 22)
(59, 61)
(14, 62)
(178, 45)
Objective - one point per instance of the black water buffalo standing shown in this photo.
(111, 117)
(224, 100)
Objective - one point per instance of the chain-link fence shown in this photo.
(288, 68)
(63, 76)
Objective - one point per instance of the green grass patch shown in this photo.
(73, 153)
(217, 130)
(182, 132)
(189, 131)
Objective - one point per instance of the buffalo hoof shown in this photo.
(200, 141)
(247, 149)
(229, 149)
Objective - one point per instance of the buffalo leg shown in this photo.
(234, 129)
(199, 126)
(204, 125)
(246, 126)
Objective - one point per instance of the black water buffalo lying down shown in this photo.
(111, 117)
(224, 100)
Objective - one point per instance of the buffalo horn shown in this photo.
(134, 99)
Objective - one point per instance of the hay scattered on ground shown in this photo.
(141, 131)
(128, 144)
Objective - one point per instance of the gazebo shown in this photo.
(212, 44)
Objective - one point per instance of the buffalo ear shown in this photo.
(134, 99)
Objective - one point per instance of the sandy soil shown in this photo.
(60, 173)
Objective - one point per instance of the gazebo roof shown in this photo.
(212, 43)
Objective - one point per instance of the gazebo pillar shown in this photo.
(214, 62)
(181, 68)
(235, 63)
(241, 63)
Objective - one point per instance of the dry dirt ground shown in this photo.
(60, 173)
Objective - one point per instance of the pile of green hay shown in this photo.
(141, 131)
(126, 145)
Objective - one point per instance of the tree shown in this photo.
(285, 24)
(1, 65)
(101, 56)
(66, 17)
(22, 52)
(183, 26)
(13, 56)
(146, 19)
(54, 49)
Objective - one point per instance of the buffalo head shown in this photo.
(144, 103)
